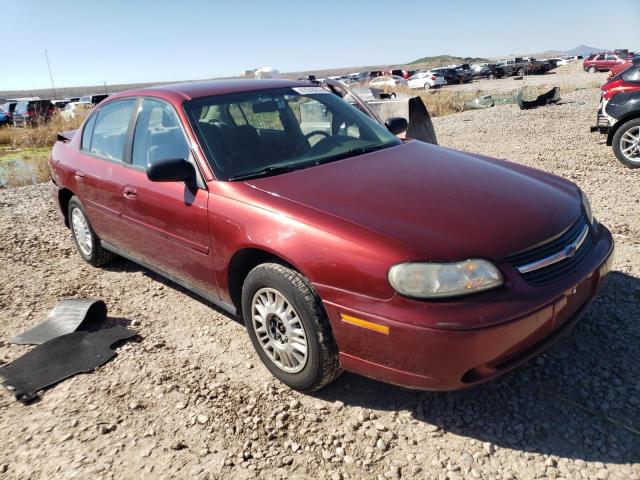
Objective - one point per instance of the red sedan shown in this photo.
(341, 246)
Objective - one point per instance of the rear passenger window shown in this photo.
(110, 129)
(86, 133)
(158, 135)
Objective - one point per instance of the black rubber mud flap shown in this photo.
(550, 97)
(66, 317)
(60, 358)
(420, 124)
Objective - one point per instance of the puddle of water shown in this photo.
(17, 170)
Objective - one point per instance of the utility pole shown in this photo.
(50, 74)
(105, 88)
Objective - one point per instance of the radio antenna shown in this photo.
(50, 74)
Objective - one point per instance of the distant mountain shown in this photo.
(579, 50)
(584, 49)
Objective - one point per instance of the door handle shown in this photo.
(129, 192)
(78, 175)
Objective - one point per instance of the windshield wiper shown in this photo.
(272, 170)
(353, 153)
(277, 169)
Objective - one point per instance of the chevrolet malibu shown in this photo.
(341, 246)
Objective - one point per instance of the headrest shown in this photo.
(167, 119)
(246, 136)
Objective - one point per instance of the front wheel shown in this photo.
(626, 143)
(592, 70)
(520, 72)
(427, 86)
(288, 327)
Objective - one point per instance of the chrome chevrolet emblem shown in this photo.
(567, 252)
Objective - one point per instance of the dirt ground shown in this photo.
(191, 400)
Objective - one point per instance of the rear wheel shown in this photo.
(288, 327)
(626, 143)
(520, 72)
(86, 240)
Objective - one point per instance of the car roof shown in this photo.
(191, 90)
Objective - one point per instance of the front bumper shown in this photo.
(603, 123)
(448, 359)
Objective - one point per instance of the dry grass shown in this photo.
(39, 136)
(441, 101)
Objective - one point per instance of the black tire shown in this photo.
(427, 86)
(97, 256)
(322, 366)
(520, 72)
(492, 76)
(617, 148)
(592, 70)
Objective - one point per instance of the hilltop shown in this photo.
(443, 60)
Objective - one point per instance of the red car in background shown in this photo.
(340, 245)
(622, 66)
(603, 61)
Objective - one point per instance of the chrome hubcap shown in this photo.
(81, 231)
(630, 144)
(279, 330)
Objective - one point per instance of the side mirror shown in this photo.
(396, 125)
(170, 170)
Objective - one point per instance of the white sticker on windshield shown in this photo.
(309, 90)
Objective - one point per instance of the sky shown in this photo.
(90, 42)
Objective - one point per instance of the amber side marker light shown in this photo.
(365, 324)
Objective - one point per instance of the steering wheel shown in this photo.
(304, 142)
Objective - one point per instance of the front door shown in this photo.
(167, 221)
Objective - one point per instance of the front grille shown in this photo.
(550, 273)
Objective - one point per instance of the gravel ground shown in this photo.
(191, 400)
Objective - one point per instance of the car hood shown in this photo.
(443, 204)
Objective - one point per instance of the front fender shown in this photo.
(325, 249)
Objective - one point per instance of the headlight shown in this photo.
(436, 280)
(587, 206)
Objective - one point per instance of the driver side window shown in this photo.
(158, 135)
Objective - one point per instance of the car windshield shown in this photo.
(267, 132)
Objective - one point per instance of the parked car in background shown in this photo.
(389, 81)
(95, 99)
(60, 104)
(451, 75)
(619, 115)
(401, 73)
(315, 242)
(30, 113)
(489, 71)
(620, 67)
(515, 66)
(426, 80)
(537, 67)
(603, 61)
(4, 119)
(7, 110)
(76, 109)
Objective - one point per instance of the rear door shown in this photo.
(610, 60)
(167, 222)
(100, 171)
